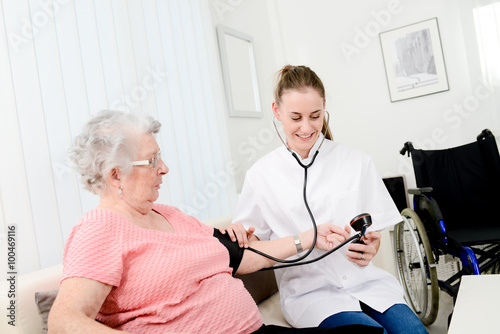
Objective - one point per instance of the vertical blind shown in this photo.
(61, 61)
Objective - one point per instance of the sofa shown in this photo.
(34, 290)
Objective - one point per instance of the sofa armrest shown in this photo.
(27, 318)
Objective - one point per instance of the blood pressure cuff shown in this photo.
(235, 251)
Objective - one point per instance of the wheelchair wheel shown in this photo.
(416, 267)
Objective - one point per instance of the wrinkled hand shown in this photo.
(368, 250)
(329, 236)
(237, 232)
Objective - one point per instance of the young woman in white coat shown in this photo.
(345, 287)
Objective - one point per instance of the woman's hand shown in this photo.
(329, 236)
(237, 232)
(363, 254)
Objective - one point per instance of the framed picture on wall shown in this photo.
(413, 59)
(239, 72)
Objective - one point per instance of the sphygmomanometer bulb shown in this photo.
(360, 223)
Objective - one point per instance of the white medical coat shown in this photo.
(342, 183)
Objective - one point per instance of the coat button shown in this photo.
(344, 277)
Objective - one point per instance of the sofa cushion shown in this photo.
(44, 301)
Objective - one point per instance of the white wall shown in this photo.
(251, 138)
(312, 33)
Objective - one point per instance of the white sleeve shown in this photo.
(249, 210)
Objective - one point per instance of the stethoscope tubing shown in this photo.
(357, 236)
(315, 227)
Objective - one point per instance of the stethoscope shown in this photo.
(359, 223)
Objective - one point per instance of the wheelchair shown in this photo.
(454, 213)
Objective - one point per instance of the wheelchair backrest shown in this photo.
(465, 181)
(396, 186)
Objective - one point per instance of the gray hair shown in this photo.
(107, 142)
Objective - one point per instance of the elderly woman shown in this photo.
(140, 267)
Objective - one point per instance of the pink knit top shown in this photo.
(162, 282)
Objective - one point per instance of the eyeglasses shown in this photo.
(153, 162)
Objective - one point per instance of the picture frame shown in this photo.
(239, 71)
(414, 61)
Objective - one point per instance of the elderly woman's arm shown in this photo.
(329, 236)
(76, 306)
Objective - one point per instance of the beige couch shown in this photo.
(262, 286)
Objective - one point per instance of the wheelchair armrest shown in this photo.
(419, 191)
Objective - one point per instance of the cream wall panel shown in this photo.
(180, 164)
(141, 96)
(188, 155)
(162, 72)
(124, 27)
(108, 51)
(34, 138)
(153, 81)
(199, 110)
(54, 117)
(65, 118)
(14, 196)
(93, 74)
(74, 114)
(211, 153)
(91, 62)
(215, 98)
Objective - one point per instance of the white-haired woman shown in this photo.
(135, 266)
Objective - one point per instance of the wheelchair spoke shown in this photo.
(417, 274)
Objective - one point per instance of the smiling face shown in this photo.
(140, 189)
(301, 113)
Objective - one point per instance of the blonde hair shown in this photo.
(299, 78)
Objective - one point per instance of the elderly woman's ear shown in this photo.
(115, 177)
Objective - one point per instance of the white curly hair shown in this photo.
(107, 142)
